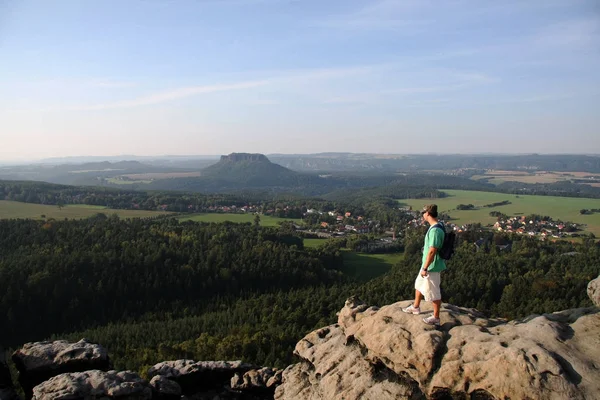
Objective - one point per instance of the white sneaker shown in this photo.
(412, 310)
(431, 320)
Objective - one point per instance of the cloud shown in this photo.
(298, 81)
(282, 78)
(541, 98)
(582, 32)
(424, 89)
(456, 80)
(380, 15)
(110, 84)
(357, 99)
(174, 94)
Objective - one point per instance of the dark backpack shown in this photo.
(447, 249)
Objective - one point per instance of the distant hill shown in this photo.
(102, 166)
(354, 162)
(239, 171)
(250, 169)
(94, 173)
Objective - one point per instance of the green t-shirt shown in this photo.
(434, 238)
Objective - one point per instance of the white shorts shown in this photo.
(429, 286)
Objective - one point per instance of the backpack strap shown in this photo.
(439, 225)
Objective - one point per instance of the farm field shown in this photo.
(15, 209)
(563, 208)
(265, 220)
(497, 176)
(162, 175)
(309, 242)
(365, 266)
(117, 181)
(130, 179)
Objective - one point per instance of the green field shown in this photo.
(314, 242)
(365, 267)
(15, 209)
(265, 220)
(116, 181)
(563, 208)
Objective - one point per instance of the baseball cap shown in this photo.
(430, 208)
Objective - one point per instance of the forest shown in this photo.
(151, 290)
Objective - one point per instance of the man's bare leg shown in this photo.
(418, 297)
(436, 308)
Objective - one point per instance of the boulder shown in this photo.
(386, 354)
(40, 361)
(593, 291)
(165, 389)
(94, 384)
(553, 356)
(333, 368)
(258, 381)
(194, 377)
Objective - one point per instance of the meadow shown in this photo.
(15, 209)
(118, 181)
(563, 208)
(365, 267)
(362, 266)
(497, 177)
(265, 220)
(309, 242)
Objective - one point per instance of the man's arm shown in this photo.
(430, 257)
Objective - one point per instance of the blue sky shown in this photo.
(159, 77)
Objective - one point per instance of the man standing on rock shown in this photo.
(427, 284)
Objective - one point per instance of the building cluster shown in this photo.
(338, 223)
(534, 227)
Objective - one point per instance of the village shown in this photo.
(337, 223)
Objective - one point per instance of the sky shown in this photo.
(178, 77)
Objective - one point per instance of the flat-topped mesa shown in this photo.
(238, 157)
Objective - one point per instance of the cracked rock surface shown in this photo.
(94, 385)
(387, 354)
(40, 361)
(593, 291)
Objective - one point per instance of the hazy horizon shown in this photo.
(153, 78)
(135, 157)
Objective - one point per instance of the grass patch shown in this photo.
(498, 177)
(15, 209)
(313, 243)
(116, 181)
(563, 208)
(265, 220)
(365, 267)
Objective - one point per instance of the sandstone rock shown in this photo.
(165, 388)
(593, 291)
(275, 380)
(258, 381)
(40, 361)
(538, 357)
(554, 356)
(402, 341)
(333, 369)
(194, 377)
(94, 384)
